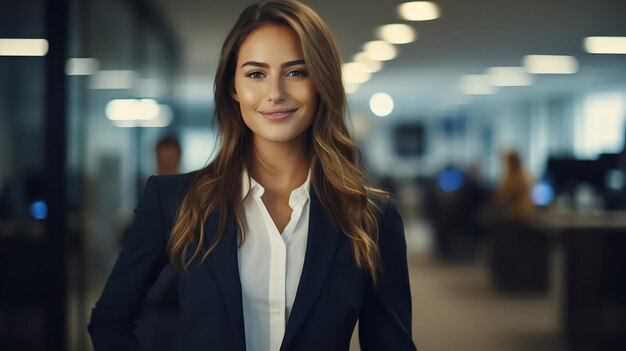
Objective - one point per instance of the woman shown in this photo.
(513, 195)
(279, 243)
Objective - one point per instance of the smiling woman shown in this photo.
(281, 243)
(271, 81)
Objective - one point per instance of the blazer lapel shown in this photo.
(321, 247)
(223, 262)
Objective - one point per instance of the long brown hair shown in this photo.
(337, 178)
(513, 193)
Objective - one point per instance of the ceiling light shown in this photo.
(419, 11)
(23, 47)
(126, 124)
(380, 50)
(371, 65)
(605, 45)
(509, 77)
(132, 109)
(113, 79)
(476, 84)
(163, 119)
(355, 73)
(550, 64)
(149, 87)
(350, 87)
(381, 104)
(396, 33)
(81, 66)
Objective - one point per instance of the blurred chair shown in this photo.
(452, 204)
(519, 259)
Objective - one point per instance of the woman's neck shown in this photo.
(279, 167)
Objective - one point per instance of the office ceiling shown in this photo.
(470, 37)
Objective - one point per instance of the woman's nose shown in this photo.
(277, 91)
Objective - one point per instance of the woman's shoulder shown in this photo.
(175, 181)
(386, 211)
(384, 202)
(389, 210)
(391, 240)
(171, 188)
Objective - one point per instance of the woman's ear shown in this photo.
(233, 94)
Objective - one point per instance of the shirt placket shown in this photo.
(277, 281)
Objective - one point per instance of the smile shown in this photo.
(278, 114)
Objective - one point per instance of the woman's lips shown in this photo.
(278, 114)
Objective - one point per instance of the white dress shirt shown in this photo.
(270, 264)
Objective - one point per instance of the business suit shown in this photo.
(332, 294)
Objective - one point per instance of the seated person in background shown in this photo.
(512, 197)
(519, 254)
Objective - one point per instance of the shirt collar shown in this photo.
(298, 196)
(250, 186)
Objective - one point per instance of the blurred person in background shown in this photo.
(519, 253)
(281, 243)
(168, 155)
(474, 195)
(512, 197)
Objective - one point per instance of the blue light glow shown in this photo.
(542, 194)
(450, 180)
(39, 209)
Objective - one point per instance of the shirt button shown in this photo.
(276, 312)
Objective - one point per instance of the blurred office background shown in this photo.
(499, 126)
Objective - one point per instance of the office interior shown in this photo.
(440, 105)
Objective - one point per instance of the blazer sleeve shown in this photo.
(385, 319)
(138, 265)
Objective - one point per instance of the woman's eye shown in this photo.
(255, 75)
(297, 73)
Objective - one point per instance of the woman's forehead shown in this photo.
(272, 44)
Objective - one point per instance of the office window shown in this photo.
(601, 127)
(199, 146)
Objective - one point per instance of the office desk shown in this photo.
(594, 301)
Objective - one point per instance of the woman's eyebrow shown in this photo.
(265, 65)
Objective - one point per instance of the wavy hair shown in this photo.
(337, 177)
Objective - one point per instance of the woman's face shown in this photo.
(275, 93)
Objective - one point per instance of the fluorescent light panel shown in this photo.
(81, 66)
(509, 77)
(112, 79)
(550, 64)
(355, 73)
(23, 47)
(397, 33)
(605, 45)
(371, 65)
(163, 119)
(350, 87)
(380, 50)
(419, 11)
(149, 87)
(476, 84)
(131, 109)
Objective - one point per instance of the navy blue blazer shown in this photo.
(332, 294)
